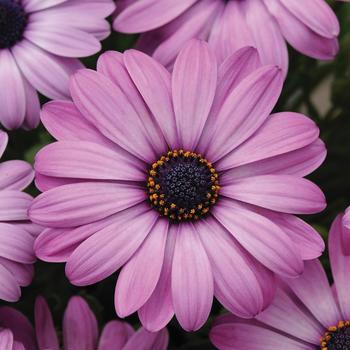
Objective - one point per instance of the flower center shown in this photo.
(337, 337)
(182, 185)
(13, 21)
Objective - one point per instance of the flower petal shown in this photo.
(107, 250)
(158, 310)
(243, 336)
(44, 326)
(340, 263)
(192, 279)
(9, 287)
(3, 142)
(38, 5)
(22, 273)
(61, 40)
(261, 237)
(86, 160)
(15, 175)
(144, 15)
(143, 339)
(313, 289)
(14, 205)
(6, 339)
(138, 278)
(115, 335)
(154, 84)
(283, 193)
(107, 107)
(13, 99)
(245, 110)
(193, 88)
(32, 116)
(78, 204)
(281, 133)
(44, 71)
(79, 326)
(235, 282)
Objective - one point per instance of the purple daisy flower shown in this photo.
(183, 180)
(80, 331)
(309, 26)
(306, 314)
(40, 41)
(17, 233)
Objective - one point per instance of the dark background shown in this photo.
(321, 90)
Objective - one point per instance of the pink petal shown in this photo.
(16, 244)
(300, 162)
(145, 340)
(113, 67)
(139, 277)
(281, 133)
(86, 160)
(45, 72)
(38, 5)
(107, 250)
(115, 335)
(14, 205)
(313, 289)
(32, 116)
(3, 142)
(106, 106)
(22, 273)
(82, 203)
(230, 31)
(244, 336)
(315, 14)
(9, 287)
(288, 315)
(158, 310)
(20, 326)
(61, 40)
(192, 279)
(260, 237)
(193, 89)
(80, 330)
(340, 266)
(145, 15)
(231, 72)
(64, 122)
(266, 35)
(245, 110)
(236, 285)
(44, 183)
(15, 175)
(300, 36)
(154, 84)
(6, 339)
(283, 193)
(44, 326)
(194, 23)
(12, 98)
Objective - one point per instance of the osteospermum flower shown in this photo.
(40, 41)
(80, 331)
(17, 233)
(310, 27)
(184, 181)
(306, 313)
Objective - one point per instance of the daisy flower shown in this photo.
(182, 180)
(80, 331)
(17, 233)
(309, 26)
(306, 314)
(40, 41)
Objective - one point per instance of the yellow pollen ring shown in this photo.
(158, 198)
(324, 342)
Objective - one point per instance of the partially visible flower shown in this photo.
(183, 180)
(80, 331)
(309, 26)
(17, 233)
(40, 41)
(306, 314)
